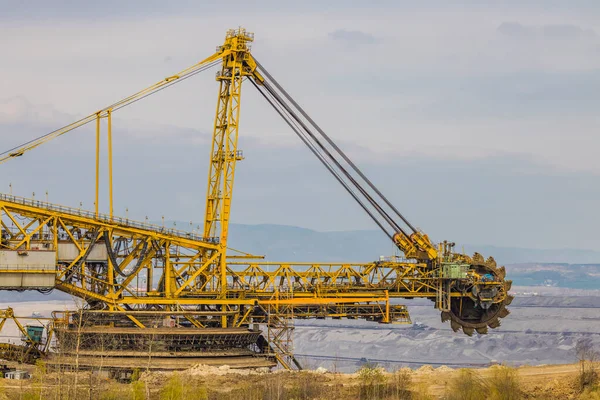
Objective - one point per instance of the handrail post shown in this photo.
(97, 161)
(110, 169)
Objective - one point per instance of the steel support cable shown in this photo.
(157, 87)
(356, 184)
(92, 117)
(297, 129)
(332, 143)
(324, 149)
(208, 66)
(81, 122)
(342, 154)
(293, 125)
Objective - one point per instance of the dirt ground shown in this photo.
(547, 382)
(537, 382)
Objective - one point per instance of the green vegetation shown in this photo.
(372, 383)
(375, 384)
(113, 392)
(138, 390)
(177, 388)
(590, 394)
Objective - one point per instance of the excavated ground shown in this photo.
(541, 329)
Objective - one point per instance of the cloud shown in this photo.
(501, 199)
(18, 109)
(460, 90)
(21, 121)
(515, 29)
(567, 32)
(353, 37)
(551, 31)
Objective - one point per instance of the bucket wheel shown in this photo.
(484, 302)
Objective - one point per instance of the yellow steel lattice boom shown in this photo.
(122, 267)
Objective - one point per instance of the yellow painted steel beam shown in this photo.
(322, 300)
(202, 272)
(83, 219)
(244, 280)
(96, 202)
(110, 164)
(224, 151)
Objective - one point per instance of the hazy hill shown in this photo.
(279, 242)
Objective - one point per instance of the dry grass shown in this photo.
(502, 383)
(497, 383)
(466, 385)
(590, 394)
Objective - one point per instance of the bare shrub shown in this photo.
(590, 394)
(400, 385)
(39, 376)
(173, 389)
(177, 388)
(135, 374)
(138, 390)
(421, 392)
(306, 386)
(303, 385)
(371, 382)
(587, 356)
(245, 392)
(504, 384)
(113, 391)
(466, 385)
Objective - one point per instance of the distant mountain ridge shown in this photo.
(292, 243)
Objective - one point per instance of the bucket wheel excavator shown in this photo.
(202, 301)
(483, 290)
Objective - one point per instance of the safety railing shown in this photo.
(27, 267)
(126, 222)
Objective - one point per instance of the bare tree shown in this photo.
(40, 373)
(77, 346)
(587, 355)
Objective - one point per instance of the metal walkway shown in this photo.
(125, 222)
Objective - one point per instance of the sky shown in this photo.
(477, 119)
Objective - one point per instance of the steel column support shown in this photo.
(97, 163)
(110, 165)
